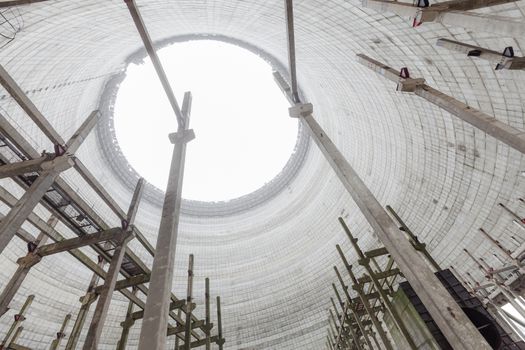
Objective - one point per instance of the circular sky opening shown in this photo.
(244, 136)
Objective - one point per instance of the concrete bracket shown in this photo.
(29, 260)
(89, 298)
(301, 110)
(183, 136)
(59, 164)
(128, 322)
(409, 84)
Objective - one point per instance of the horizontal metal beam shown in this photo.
(114, 234)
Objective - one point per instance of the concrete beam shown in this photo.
(453, 13)
(153, 332)
(485, 23)
(9, 3)
(148, 44)
(183, 329)
(82, 132)
(511, 136)
(291, 52)
(114, 234)
(24, 167)
(503, 60)
(128, 282)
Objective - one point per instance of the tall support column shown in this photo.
(24, 266)
(25, 205)
(19, 318)
(452, 321)
(189, 305)
(352, 310)
(364, 300)
(507, 134)
(127, 324)
(207, 301)
(60, 334)
(219, 323)
(365, 262)
(155, 323)
(106, 291)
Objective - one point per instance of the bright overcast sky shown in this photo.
(244, 135)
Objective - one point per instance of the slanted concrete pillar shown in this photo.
(220, 342)
(19, 318)
(207, 317)
(458, 330)
(25, 205)
(155, 323)
(511, 136)
(60, 334)
(24, 266)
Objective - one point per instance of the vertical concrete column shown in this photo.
(207, 301)
(219, 323)
(458, 330)
(24, 266)
(61, 334)
(189, 305)
(177, 340)
(29, 200)
(101, 310)
(155, 323)
(19, 318)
